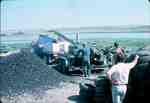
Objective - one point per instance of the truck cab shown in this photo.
(48, 45)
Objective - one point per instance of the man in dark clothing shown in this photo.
(86, 61)
(139, 84)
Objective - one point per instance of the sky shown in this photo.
(47, 14)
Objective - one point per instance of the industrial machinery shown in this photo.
(67, 54)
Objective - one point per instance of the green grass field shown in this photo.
(100, 43)
(124, 42)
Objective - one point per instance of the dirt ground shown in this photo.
(68, 93)
(26, 81)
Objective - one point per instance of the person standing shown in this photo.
(86, 60)
(118, 75)
(119, 55)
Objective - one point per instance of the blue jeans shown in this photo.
(87, 68)
(118, 93)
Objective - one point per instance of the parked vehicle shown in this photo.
(65, 53)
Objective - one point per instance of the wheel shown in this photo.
(103, 90)
(87, 90)
(63, 65)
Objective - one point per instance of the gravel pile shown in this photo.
(24, 71)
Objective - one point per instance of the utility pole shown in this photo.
(77, 36)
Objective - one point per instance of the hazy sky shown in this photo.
(46, 14)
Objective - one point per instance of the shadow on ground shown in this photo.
(78, 99)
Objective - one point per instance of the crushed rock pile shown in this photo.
(24, 71)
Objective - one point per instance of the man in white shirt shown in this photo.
(118, 75)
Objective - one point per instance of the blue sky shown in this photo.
(46, 14)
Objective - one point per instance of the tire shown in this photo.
(143, 53)
(138, 84)
(63, 65)
(87, 90)
(87, 87)
(144, 59)
(103, 90)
